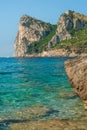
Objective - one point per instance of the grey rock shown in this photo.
(68, 22)
(30, 30)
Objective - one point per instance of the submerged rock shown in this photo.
(77, 72)
(68, 95)
(54, 124)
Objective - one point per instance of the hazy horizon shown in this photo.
(11, 11)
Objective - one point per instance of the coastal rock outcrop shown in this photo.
(69, 22)
(35, 37)
(77, 72)
(30, 30)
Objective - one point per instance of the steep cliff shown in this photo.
(30, 30)
(37, 38)
(68, 23)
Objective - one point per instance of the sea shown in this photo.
(36, 89)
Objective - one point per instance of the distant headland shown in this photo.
(36, 38)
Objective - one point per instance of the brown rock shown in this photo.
(77, 72)
(67, 95)
(55, 124)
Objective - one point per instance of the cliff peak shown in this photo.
(68, 12)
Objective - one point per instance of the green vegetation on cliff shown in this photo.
(35, 36)
(42, 45)
(75, 24)
(77, 43)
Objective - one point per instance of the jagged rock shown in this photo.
(30, 30)
(77, 72)
(68, 22)
(55, 39)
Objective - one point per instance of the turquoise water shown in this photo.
(36, 82)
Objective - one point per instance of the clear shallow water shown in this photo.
(31, 82)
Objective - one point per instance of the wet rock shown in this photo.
(68, 95)
(29, 113)
(54, 124)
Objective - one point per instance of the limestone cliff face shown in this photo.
(68, 22)
(77, 72)
(30, 30)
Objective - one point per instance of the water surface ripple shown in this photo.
(28, 83)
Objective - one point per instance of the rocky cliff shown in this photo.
(34, 36)
(77, 72)
(68, 23)
(30, 30)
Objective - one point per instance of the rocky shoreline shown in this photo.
(32, 118)
(53, 124)
(77, 73)
(55, 53)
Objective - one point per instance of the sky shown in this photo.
(46, 10)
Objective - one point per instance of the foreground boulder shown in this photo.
(77, 73)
